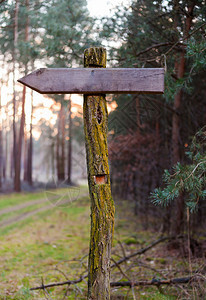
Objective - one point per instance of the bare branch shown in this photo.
(68, 282)
(120, 269)
(140, 251)
(143, 250)
(158, 46)
(154, 281)
(189, 35)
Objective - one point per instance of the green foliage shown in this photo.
(152, 34)
(25, 51)
(59, 31)
(196, 53)
(189, 179)
(168, 34)
(66, 32)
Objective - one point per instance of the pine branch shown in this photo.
(202, 162)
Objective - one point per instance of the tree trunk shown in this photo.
(62, 160)
(26, 145)
(30, 147)
(5, 156)
(17, 181)
(70, 146)
(25, 157)
(17, 178)
(53, 159)
(102, 206)
(1, 144)
(13, 165)
(57, 154)
(176, 157)
(60, 155)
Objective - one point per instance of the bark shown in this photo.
(1, 146)
(5, 157)
(62, 161)
(102, 206)
(57, 154)
(5, 136)
(30, 147)
(17, 178)
(53, 158)
(70, 146)
(180, 65)
(25, 157)
(60, 155)
(13, 165)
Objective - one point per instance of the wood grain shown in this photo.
(96, 81)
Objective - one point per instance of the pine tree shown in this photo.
(167, 34)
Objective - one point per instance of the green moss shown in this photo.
(95, 56)
(131, 240)
(102, 206)
(161, 260)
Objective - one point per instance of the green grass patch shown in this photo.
(50, 244)
(19, 198)
(47, 245)
(15, 199)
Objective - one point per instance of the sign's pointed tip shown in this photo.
(24, 81)
(21, 80)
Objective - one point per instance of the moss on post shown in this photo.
(102, 206)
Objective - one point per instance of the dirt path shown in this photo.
(54, 200)
(22, 205)
(23, 216)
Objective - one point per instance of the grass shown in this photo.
(19, 198)
(34, 247)
(14, 199)
(49, 245)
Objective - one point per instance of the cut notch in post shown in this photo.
(100, 179)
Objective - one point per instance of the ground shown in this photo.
(43, 240)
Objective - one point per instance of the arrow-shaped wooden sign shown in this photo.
(96, 81)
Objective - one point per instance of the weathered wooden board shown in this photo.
(96, 81)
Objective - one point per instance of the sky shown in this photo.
(101, 8)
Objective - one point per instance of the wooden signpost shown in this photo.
(94, 81)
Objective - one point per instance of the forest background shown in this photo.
(156, 142)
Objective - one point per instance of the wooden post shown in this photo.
(102, 205)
